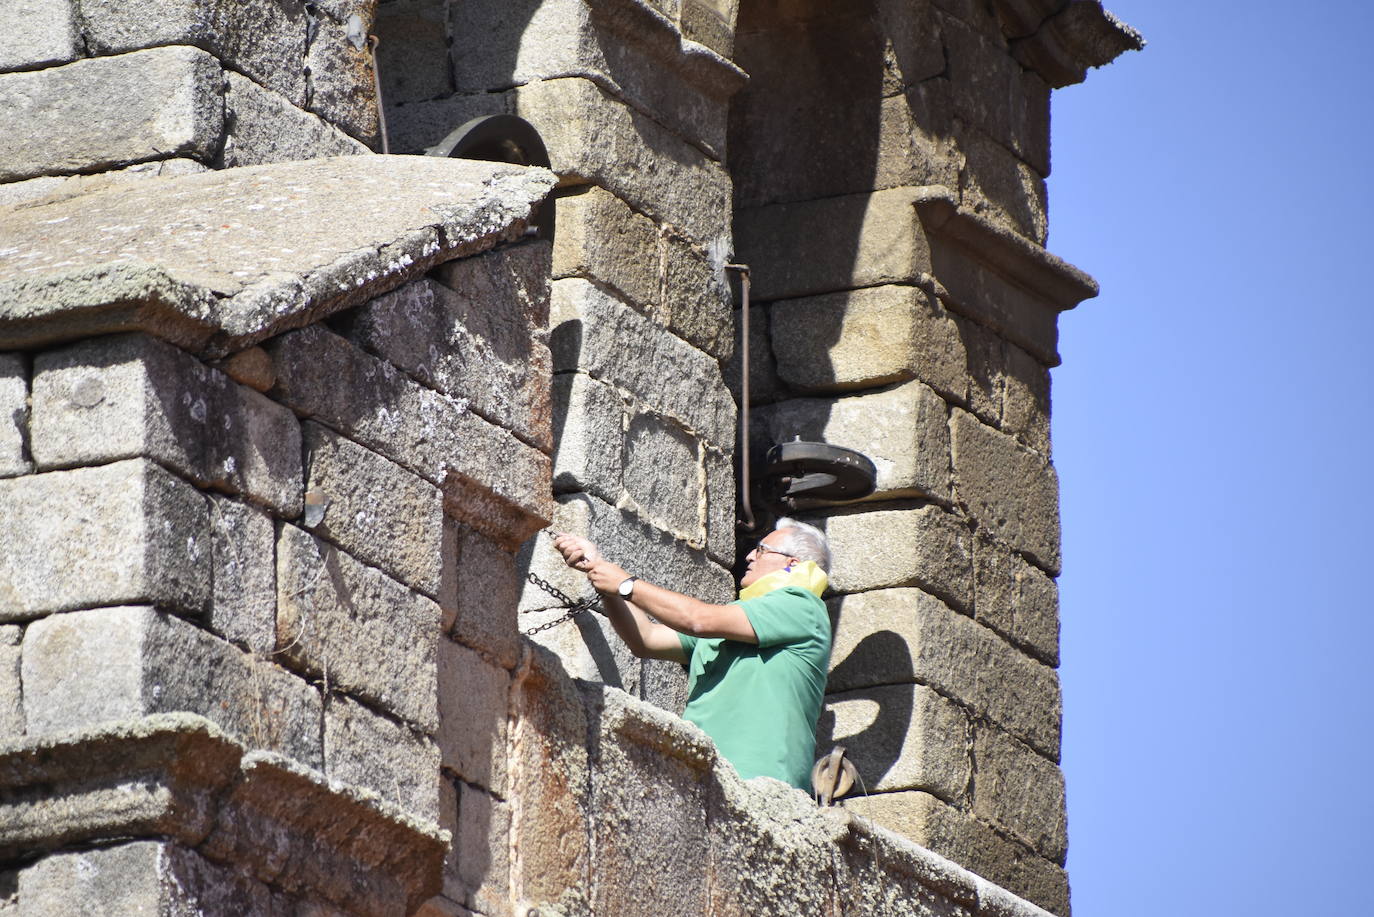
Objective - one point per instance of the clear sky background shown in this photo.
(1212, 433)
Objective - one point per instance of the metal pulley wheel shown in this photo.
(818, 471)
(833, 776)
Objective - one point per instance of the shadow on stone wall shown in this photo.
(878, 746)
(566, 339)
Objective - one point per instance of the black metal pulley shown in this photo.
(817, 472)
(502, 138)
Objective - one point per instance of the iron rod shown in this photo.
(749, 522)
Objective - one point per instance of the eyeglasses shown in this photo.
(765, 548)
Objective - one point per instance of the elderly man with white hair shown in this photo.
(757, 666)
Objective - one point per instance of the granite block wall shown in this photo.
(208, 467)
(108, 91)
(895, 226)
(631, 100)
(279, 671)
(907, 307)
(294, 564)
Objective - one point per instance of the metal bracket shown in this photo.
(817, 472)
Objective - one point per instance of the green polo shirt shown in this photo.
(760, 703)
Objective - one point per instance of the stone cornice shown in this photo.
(1054, 285)
(1009, 253)
(1075, 37)
(639, 22)
(218, 261)
(946, 878)
(1021, 18)
(179, 776)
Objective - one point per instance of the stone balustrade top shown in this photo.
(217, 261)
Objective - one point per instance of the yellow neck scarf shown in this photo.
(803, 573)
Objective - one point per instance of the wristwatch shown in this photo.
(627, 586)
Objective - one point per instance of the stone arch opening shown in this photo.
(814, 137)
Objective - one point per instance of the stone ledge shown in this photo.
(695, 62)
(934, 825)
(786, 818)
(178, 776)
(777, 830)
(649, 802)
(643, 724)
(1052, 281)
(168, 256)
(945, 877)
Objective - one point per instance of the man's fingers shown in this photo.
(569, 547)
(576, 557)
(578, 552)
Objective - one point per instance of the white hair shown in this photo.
(804, 542)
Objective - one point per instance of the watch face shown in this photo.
(627, 587)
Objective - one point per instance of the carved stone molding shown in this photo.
(179, 776)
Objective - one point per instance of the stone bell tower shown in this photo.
(279, 417)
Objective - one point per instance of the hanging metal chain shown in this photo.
(574, 606)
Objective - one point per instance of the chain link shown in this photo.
(574, 606)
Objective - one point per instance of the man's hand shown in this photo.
(675, 613)
(581, 554)
(578, 552)
(606, 576)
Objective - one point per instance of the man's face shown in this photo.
(763, 561)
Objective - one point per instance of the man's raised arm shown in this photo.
(680, 613)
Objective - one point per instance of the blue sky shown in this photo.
(1212, 431)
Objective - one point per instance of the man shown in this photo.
(757, 666)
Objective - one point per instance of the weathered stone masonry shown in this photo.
(271, 441)
(226, 696)
(634, 115)
(279, 542)
(896, 226)
(170, 87)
